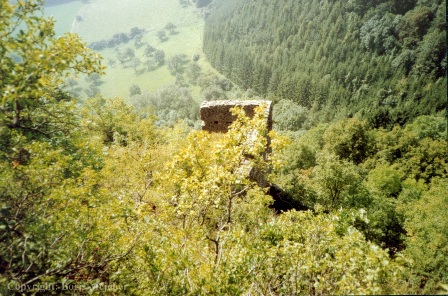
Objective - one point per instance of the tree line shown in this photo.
(380, 60)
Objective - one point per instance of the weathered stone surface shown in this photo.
(216, 115)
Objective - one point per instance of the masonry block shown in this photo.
(216, 116)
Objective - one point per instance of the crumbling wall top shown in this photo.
(216, 115)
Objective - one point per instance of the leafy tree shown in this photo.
(159, 57)
(149, 50)
(289, 115)
(350, 140)
(371, 59)
(136, 31)
(49, 217)
(95, 79)
(414, 24)
(180, 80)
(112, 194)
(431, 54)
(384, 180)
(72, 82)
(162, 35)
(193, 71)
(176, 63)
(380, 34)
(151, 64)
(92, 91)
(214, 86)
(134, 63)
(135, 90)
(231, 243)
(170, 104)
(336, 183)
(196, 57)
(427, 242)
(33, 65)
(128, 54)
(101, 117)
(213, 92)
(138, 41)
(122, 38)
(170, 27)
(428, 127)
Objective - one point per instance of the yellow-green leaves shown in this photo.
(211, 173)
(33, 64)
(427, 238)
(211, 231)
(114, 122)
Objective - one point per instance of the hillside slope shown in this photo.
(99, 21)
(380, 60)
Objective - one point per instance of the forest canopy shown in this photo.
(384, 61)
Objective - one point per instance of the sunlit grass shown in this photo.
(64, 15)
(101, 19)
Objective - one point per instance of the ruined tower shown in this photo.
(216, 115)
(216, 118)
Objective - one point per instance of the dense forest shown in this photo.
(382, 60)
(104, 197)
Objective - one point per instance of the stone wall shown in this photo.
(216, 115)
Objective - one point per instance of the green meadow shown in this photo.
(64, 14)
(99, 20)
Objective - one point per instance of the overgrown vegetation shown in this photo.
(388, 174)
(107, 197)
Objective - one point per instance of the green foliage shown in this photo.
(50, 200)
(170, 27)
(427, 242)
(170, 104)
(384, 180)
(379, 34)
(135, 90)
(335, 182)
(113, 121)
(384, 61)
(415, 24)
(176, 63)
(210, 231)
(105, 194)
(350, 165)
(289, 115)
(319, 258)
(350, 140)
(193, 71)
(33, 65)
(429, 126)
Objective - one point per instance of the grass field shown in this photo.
(64, 15)
(101, 19)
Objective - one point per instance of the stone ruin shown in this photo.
(216, 116)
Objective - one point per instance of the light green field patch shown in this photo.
(64, 14)
(101, 19)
